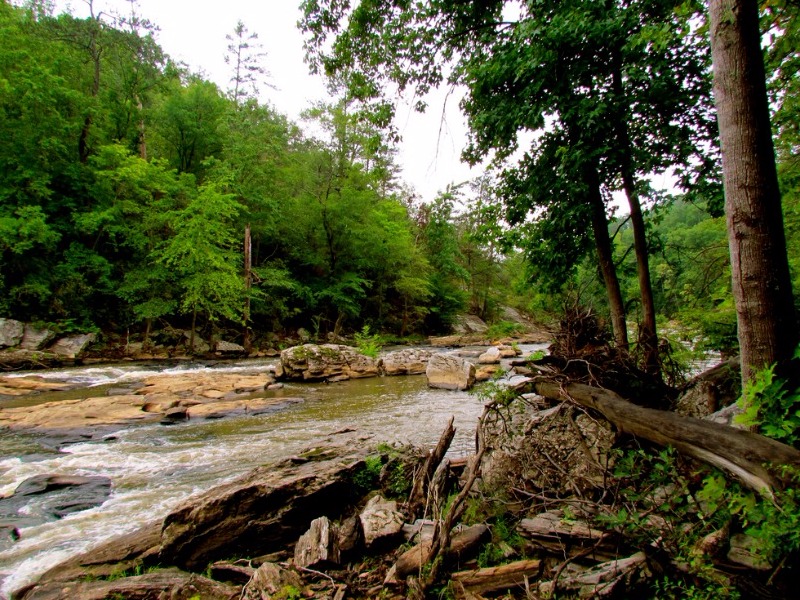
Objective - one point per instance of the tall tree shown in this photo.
(761, 282)
(245, 56)
(625, 79)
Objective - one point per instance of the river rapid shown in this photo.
(154, 468)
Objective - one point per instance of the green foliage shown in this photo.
(771, 407)
(503, 329)
(288, 592)
(366, 479)
(368, 344)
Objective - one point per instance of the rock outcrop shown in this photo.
(409, 361)
(166, 398)
(72, 346)
(450, 372)
(259, 513)
(326, 362)
(11, 332)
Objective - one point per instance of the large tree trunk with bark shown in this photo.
(605, 258)
(761, 281)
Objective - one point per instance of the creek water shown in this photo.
(153, 468)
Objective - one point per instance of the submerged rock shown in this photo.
(44, 498)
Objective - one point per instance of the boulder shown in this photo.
(350, 537)
(381, 521)
(271, 580)
(486, 372)
(200, 345)
(260, 512)
(229, 347)
(508, 351)
(490, 357)
(469, 324)
(326, 362)
(318, 547)
(11, 332)
(450, 372)
(35, 338)
(409, 361)
(72, 346)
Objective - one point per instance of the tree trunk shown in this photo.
(605, 257)
(648, 339)
(248, 283)
(762, 287)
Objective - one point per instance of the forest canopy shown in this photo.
(127, 182)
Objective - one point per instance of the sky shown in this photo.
(193, 32)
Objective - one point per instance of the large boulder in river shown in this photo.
(409, 361)
(326, 362)
(10, 333)
(450, 372)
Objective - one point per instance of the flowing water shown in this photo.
(153, 468)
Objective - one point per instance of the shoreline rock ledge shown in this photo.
(259, 514)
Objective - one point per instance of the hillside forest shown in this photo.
(135, 194)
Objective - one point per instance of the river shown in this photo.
(153, 468)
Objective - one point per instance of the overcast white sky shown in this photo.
(193, 31)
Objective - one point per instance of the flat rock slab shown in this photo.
(22, 386)
(260, 513)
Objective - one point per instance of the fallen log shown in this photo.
(743, 454)
(602, 581)
(419, 493)
(411, 561)
(497, 579)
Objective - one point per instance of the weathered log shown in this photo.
(411, 560)
(742, 454)
(166, 583)
(496, 579)
(549, 525)
(419, 492)
(604, 580)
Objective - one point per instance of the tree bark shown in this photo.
(248, 284)
(743, 454)
(648, 338)
(761, 282)
(605, 258)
